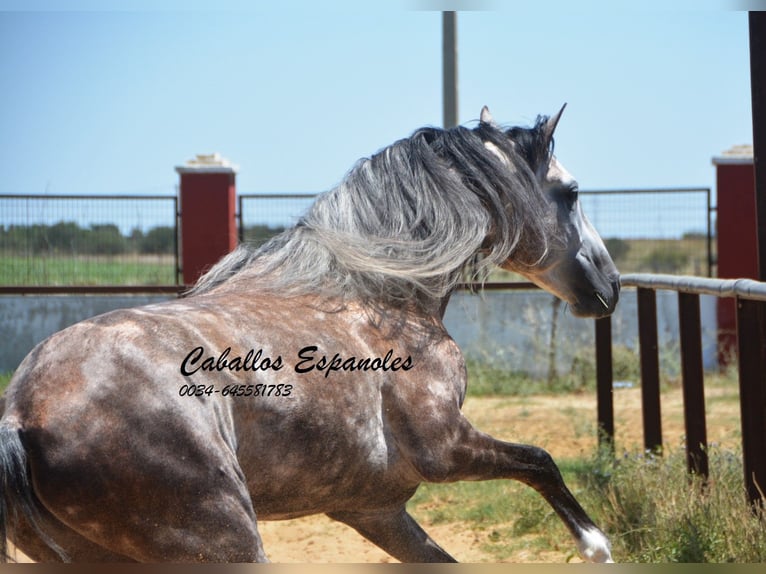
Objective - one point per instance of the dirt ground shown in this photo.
(564, 425)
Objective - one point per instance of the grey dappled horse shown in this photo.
(312, 375)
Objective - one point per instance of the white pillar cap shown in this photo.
(208, 163)
(735, 155)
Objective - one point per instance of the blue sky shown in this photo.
(109, 100)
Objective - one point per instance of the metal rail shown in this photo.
(91, 289)
(742, 288)
(750, 297)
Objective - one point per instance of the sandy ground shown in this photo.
(564, 425)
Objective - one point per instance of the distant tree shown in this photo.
(618, 248)
(665, 260)
(258, 234)
(159, 240)
(105, 239)
(25, 238)
(63, 237)
(135, 239)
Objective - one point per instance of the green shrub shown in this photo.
(655, 512)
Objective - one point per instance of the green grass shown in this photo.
(656, 512)
(687, 256)
(485, 380)
(651, 509)
(501, 513)
(649, 506)
(5, 378)
(132, 269)
(88, 270)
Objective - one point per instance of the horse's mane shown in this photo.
(401, 225)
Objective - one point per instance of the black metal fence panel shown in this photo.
(262, 216)
(78, 240)
(655, 230)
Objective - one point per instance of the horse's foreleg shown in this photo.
(397, 533)
(472, 455)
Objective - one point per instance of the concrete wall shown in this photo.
(25, 320)
(514, 329)
(507, 329)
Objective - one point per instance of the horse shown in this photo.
(309, 375)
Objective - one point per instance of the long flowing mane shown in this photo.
(401, 225)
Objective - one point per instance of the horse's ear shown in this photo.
(486, 117)
(550, 125)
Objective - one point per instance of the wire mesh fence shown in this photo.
(92, 240)
(650, 231)
(655, 231)
(262, 216)
(132, 240)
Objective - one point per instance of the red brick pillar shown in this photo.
(207, 197)
(736, 235)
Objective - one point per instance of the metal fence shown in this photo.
(750, 297)
(656, 230)
(88, 240)
(264, 215)
(652, 231)
(93, 240)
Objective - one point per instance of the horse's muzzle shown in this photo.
(601, 303)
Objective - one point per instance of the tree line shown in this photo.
(69, 238)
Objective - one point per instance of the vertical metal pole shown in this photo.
(240, 224)
(176, 242)
(751, 339)
(709, 236)
(449, 68)
(604, 383)
(751, 316)
(693, 383)
(758, 95)
(650, 369)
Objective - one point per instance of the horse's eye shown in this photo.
(574, 192)
(569, 195)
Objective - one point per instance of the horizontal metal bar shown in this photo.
(91, 289)
(742, 288)
(277, 195)
(636, 191)
(497, 286)
(582, 191)
(304, 195)
(88, 197)
(64, 289)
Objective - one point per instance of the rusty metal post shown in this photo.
(751, 337)
(650, 369)
(693, 383)
(604, 383)
(751, 316)
(757, 22)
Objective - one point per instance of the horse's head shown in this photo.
(576, 267)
